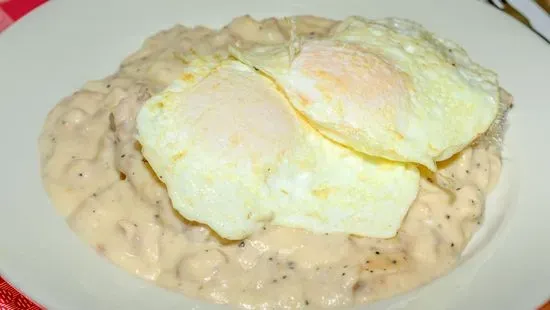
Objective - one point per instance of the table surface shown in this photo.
(10, 12)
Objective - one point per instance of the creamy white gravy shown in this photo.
(96, 176)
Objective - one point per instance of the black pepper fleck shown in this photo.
(291, 265)
(108, 86)
(377, 252)
(345, 266)
(394, 262)
(447, 216)
(241, 244)
(372, 271)
(270, 259)
(135, 225)
(275, 281)
(157, 216)
(123, 155)
(478, 165)
(80, 174)
(307, 302)
(157, 202)
(368, 261)
(284, 277)
(452, 245)
(458, 188)
(467, 171)
(343, 274)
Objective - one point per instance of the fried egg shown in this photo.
(387, 88)
(235, 155)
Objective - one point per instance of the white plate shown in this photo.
(58, 47)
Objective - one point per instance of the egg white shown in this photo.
(388, 88)
(235, 155)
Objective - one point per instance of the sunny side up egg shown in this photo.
(235, 155)
(387, 88)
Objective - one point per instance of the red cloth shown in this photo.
(12, 10)
(11, 299)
